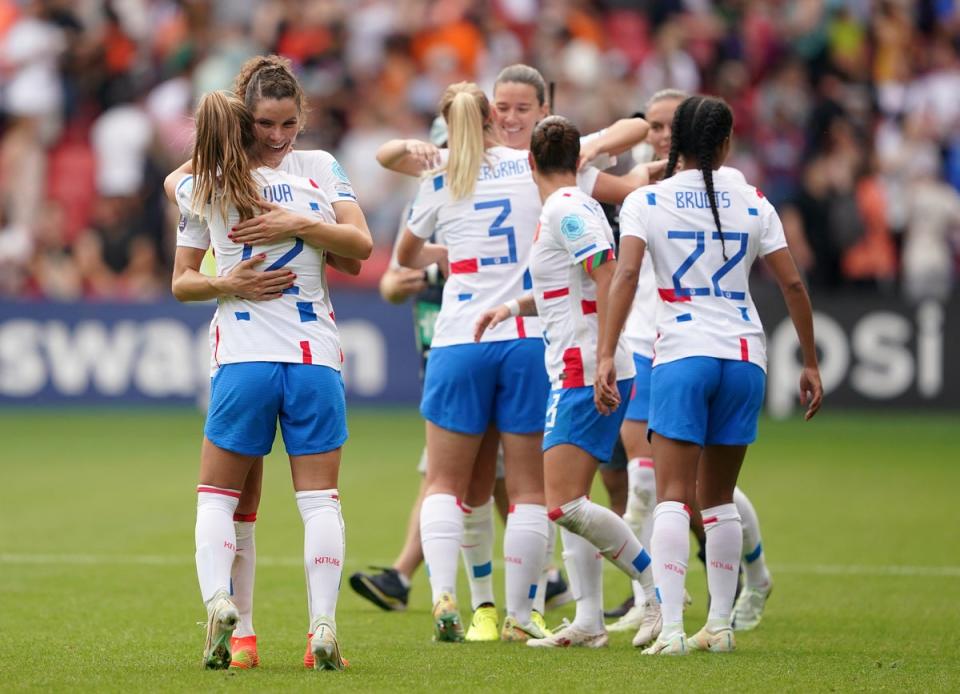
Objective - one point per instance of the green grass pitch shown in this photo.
(98, 589)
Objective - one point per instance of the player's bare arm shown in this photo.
(615, 139)
(414, 252)
(410, 157)
(492, 317)
(244, 280)
(173, 179)
(346, 239)
(623, 287)
(795, 295)
(400, 283)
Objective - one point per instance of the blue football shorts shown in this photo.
(572, 418)
(470, 386)
(247, 398)
(707, 401)
(638, 409)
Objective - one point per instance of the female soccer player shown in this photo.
(572, 263)
(389, 588)
(640, 331)
(277, 358)
(275, 99)
(484, 205)
(708, 376)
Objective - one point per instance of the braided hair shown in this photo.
(701, 124)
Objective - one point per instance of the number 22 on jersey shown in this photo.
(699, 239)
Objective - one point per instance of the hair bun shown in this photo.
(554, 132)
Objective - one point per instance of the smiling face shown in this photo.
(660, 118)
(516, 112)
(276, 123)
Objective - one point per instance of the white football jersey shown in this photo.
(299, 326)
(572, 229)
(641, 326)
(706, 308)
(488, 236)
(322, 168)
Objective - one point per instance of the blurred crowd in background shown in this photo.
(847, 114)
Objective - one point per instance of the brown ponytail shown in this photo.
(221, 167)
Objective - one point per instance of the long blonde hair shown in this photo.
(465, 108)
(221, 167)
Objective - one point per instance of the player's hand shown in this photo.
(811, 390)
(246, 282)
(426, 154)
(490, 318)
(656, 169)
(275, 224)
(399, 284)
(606, 397)
(588, 153)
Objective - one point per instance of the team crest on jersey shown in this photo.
(182, 224)
(572, 227)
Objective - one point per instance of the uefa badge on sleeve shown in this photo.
(572, 227)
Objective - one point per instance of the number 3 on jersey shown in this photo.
(699, 237)
(497, 229)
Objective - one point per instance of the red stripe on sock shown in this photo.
(711, 519)
(645, 462)
(687, 509)
(465, 509)
(555, 513)
(512, 508)
(245, 517)
(744, 350)
(214, 490)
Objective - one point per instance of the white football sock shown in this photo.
(323, 549)
(441, 531)
(244, 570)
(477, 551)
(641, 498)
(540, 599)
(754, 560)
(215, 538)
(670, 545)
(724, 544)
(610, 534)
(585, 569)
(524, 551)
